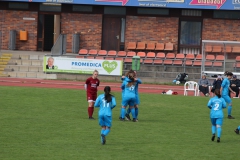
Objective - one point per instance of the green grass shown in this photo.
(52, 124)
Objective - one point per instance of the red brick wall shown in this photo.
(88, 25)
(159, 29)
(13, 20)
(222, 30)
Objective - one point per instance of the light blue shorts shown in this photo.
(128, 101)
(105, 120)
(217, 121)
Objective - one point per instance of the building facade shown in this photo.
(111, 26)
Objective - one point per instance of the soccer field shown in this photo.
(53, 124)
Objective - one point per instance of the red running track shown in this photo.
(143, 88)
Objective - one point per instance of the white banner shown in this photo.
(82, 66)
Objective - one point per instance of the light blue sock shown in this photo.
(128, 110)
(102, 131)
(213, 129)
(123, 112)
(133, 112)
(229, 110)
(219, 131)
(106, 132)
(238, 127)
(136, 112)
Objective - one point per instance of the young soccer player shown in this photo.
(91, 87)
(123, 79)
(138, 81)
(237, 130)
(129, 96)
(224, 90)
(216, 104)
(106, 102)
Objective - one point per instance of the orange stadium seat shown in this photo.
(141, 46)
(170, 56)
(112, 53)
(190, 56)
(217, 64)
(122, 54)
(141, 54)
(167, 62)
(168, 47)
(180, 56)
(158, 61)
(150, 46)
(92, 52)
(131, 46)
(159, 47)
(177, 62)
(220, 58)
(148, 61)
(150, 55)
(161, 55)
(217, 49)
(83, 52)
(131, 54)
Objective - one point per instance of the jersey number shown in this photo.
(105, 104)
(131, 88)
(216, 107)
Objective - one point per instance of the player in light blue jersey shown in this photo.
(138, 81)
(123, 78)
(216, 104)
(129, 96)
(237, 130)
(224, 90)
(106, 102)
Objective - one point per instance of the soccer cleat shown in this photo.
(91, 118)
(128, 117)
(236, 131)
(218, 140)
(134, 120)
(122, 119)
(213, 137)
(230, 117)
(103, 139)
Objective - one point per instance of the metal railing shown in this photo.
(59, 48)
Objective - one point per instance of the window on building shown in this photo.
(226, 14)
(190, 33)
(82, 8)
(16, 5)
(153, 11)
(115, 10)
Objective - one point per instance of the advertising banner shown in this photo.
(187, 4)
(82, 66)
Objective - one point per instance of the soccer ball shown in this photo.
(178, 82)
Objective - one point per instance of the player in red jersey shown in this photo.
(91, 87)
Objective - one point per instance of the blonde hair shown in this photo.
(95, 71)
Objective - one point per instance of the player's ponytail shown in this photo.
(217, 93)
(108, 96)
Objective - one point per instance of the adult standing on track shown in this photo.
(91, 87)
